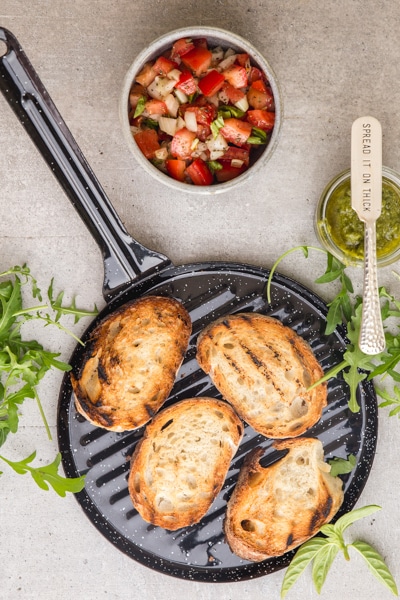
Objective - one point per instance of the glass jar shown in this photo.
(341, 232)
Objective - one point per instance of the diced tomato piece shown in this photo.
(181, 143)
(259, 85)
(243, 59)
(181, 47)
(254, 74)
(186, 83)
(197, 60)
(236, 76)
(164, 65)
(201, 42)
(211, 83)
(176, 168)
(236, 131)
(155, 107)
(147, 140)
(260, 98)
(146, 75)
(263, 119)
(205, 114)
(137, 92)
(228, 172)
(199, 173)
(234, 153)
(232, 94)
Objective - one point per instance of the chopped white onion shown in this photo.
(180, 124)
(190, 120)
(217, 144)
(194, 144)
(172, 105)
(227, 62)
(214, 100)
(200, 150)
(242, 104)
(217, 53)
(168, 125)
(236, 163)
(229, 52)
(174, 74)
(161, 154)
(216, 154)
(160, 87)
(181, 96)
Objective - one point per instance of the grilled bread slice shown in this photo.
(263, 368)
(131, 363)
(275, 509)
(179, 466)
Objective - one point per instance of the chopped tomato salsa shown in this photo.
(197, 112)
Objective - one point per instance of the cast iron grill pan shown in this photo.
(208, 290)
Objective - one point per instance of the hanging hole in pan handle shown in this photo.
(125, 259)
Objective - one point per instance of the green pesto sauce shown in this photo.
(346, 229)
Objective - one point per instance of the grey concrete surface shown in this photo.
(335, 61)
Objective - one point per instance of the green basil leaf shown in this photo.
(322, 563)
(216, 125)
(354, 515)
(341, 466)
(139, 107)
(304, 555)
(376, 564)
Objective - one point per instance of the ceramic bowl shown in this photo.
(215, 37)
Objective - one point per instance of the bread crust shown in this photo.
(130, 363)
(263, 368)
(180, 464)
(275, 509)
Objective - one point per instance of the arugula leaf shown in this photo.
(321, 551)
(47, 475)
(390, 400)
(24, 363)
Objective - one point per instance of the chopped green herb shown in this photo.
(139, 107)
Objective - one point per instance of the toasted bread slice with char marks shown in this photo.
(179, 466)
(131, 362)
(264, 369)
(275, 509)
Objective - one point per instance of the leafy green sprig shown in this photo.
(47, 475)
(346, 308)
(24, 363)
(321, 551)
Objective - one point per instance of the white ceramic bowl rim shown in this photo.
(216, 36)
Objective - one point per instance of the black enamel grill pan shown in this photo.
(208, 290)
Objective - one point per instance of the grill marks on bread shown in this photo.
(180, 464)
(131, 362)
(275, 509)
(264, 369)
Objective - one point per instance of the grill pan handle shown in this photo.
(125, 259)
